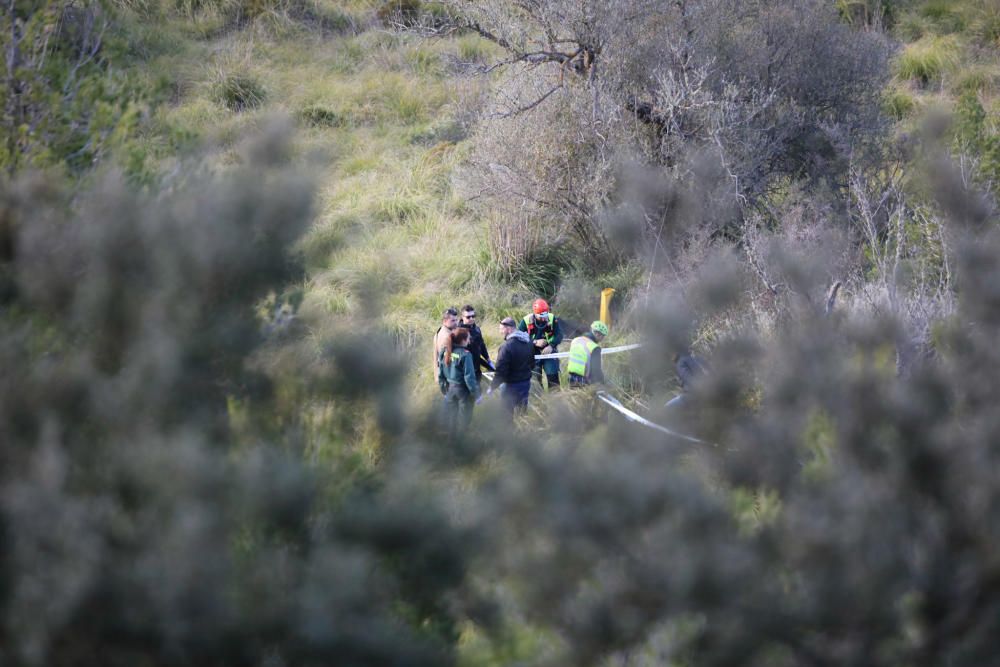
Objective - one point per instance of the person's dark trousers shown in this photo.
(458, 406)
(577, 381)
(543, 368)
(515, 395)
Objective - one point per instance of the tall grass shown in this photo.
(899, 103)
(377, 104)
(928, 59)
(985, 24)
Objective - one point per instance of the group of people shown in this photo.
(461, 355)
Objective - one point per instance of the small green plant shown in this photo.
(899, 104)
(399, 207)
(240, 91)
(319, 116)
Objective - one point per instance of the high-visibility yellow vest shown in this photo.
(579, 356)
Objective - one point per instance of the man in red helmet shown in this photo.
(545, 333)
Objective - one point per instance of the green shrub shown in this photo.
(969, 119)
(985, 26)
(899, 104)
(623, 280)
(424, 61)
(912, 26)
(404, 104)
(319, 116)
(329, 18)
(974, 80)
(399, 207)
(320, 244)
(472, 48)
(927, 59)
(240, 91)
(542, 275)
(541, 271)
(945, 15)
(975, 136)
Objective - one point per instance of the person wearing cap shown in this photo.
(545, 333)
(515, 361)
(585, 356)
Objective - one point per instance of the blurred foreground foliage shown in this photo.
(66, 101)
(179, 480)
(138, 525)
(157, 507)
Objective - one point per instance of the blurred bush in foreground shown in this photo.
(156, 506)
(137, 524)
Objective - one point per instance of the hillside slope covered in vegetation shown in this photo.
(228, 229)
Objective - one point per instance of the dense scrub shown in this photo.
(215, 443)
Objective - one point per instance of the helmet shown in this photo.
(540, 306)
(599, 327)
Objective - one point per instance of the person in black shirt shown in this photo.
(477, 346)
(515, 361)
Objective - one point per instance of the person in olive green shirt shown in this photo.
(457, 368)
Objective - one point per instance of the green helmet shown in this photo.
(599, 327)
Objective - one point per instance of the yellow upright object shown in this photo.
(606, 304)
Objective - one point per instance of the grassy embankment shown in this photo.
(380, 124)
(949, 62)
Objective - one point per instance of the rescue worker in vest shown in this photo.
(458, 371)
(545, 333)
(515, 361)
(477, 346)
(585, 357)
(449, 319)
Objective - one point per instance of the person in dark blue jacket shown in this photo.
(515, 361)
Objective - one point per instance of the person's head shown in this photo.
(468, 315)
(540, 308)
(460, 337)
(507, 326)
(450, 318)
(599, 330)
